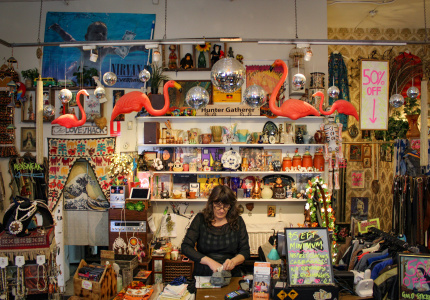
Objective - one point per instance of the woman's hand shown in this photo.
(229, 265)
(211, 263)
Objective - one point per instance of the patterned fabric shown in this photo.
(400, 148)
(63, 153)
(338, 72)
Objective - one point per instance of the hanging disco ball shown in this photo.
(228, 75)
(65, 96)
(333, 91)
(197, 97)
(397, 100)
(109, 78)
(144, 75)
(255, 96)
(48, 111)
(299, 81)
(100, 92)
(413, 92)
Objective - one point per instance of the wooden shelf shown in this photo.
(57, 88)
(231, 145)
(197, 200)
(147, 118)
(235, 172)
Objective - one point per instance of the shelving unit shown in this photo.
(197, 200)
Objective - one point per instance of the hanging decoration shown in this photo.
(333, 91)
(314, 208)
(413, 91)
(342, 106)
(228, 75)
(144, 75)
(121, 166)
(397, 100)
(197, 97)
(70, 120)
(299, 80)
(62, 154)
(255, 96)
(291, 108)
(65, 95)
(134, 101)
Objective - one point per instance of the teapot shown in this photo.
(242, 135)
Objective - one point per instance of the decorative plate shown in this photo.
(353, 131)
(231, 160)
(271, 128)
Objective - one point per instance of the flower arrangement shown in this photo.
(203, 48)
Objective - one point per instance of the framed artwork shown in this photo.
(92, 107)
(357, 179)
(177, 98)
(413, 273)
(290, 127)
(367, 162)
(343, 231)
(303, 128)
(149, 157)
(271, 211)
(355, 152)
(367, 150)
(116, 94)
(73, 102)
(28, 139)
(359, 208)
(365, 134)
(167, 156)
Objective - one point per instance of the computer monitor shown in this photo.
(281, 244)
(140, 194)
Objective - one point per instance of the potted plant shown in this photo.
(29, 76)
(412, 111)
(157, 77)
(86, 76)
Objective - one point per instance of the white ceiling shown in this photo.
(392, 13)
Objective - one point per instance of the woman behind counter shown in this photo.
(219, 235)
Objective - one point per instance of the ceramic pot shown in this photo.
(307, 160)
(206, 138)
(319, 161)
(287, 163)
(297, 161)
(267, 192)
(216, 133)
(413, 131)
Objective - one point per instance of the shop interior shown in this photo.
(119, 120)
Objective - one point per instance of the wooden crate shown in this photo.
(103, 290)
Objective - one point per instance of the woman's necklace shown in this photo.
(5, 287)
(20, 288)
(16, 226)
(45, 285)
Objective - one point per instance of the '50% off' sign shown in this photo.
(374, 95)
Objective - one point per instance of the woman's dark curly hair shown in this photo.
(223, 194)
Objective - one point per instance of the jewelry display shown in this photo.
(4, 285)
(16, 226)
(20, 287)
(45, 285)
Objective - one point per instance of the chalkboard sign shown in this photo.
(414, 276)
(309, 256)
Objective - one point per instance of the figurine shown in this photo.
(172, 57)
(256, 190)
(278, 189)
(333, 145)
(215, 54)
(187, 62)
(299, 137)
(230, 52)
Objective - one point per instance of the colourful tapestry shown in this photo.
(63, 153)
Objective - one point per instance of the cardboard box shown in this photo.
(261, 282)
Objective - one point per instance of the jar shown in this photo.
(287, 163)
(297, 161)
(319, 161)
(307, 160)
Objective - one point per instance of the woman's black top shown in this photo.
(218, 243)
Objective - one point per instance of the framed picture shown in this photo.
(365, 134)
(271, 211)
(367, 162)
(28, 139)
(177, 98)
(343, 231)
(73, 102)
(357, 179)
(355, 152)
(367, 150)
(388, 155)
(149, 157)
(303, 128)
(167, 156)
(413, 274)
(290, 127)
(92, 107)
(359, 208)
(116, 94)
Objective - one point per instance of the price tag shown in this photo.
(40, 259)
(3, 262)
(88, 285)
(19, 261)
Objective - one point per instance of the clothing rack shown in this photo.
(394, 240)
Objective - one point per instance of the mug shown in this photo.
(174, 255)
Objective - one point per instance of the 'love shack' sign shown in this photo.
(374, 82)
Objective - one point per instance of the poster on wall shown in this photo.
(374, 83)
(359, 208)
(125, 61)
(414, 278)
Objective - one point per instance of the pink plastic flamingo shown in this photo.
(70, 120)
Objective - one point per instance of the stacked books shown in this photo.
(175, 292)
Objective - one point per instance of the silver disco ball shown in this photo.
(397, 100)
(255, 96)
(109, 78)
(299, 81)
(144, 75)
(48, 111)
(413, 92)
(197, 97)
(333, 91)
(100, 92)
(65, 96)
(228, 75)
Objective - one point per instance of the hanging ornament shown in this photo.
(65, 96)
(299, 80)
(333, 91)
(228, 75)
(413, 92)
(109, 78)
(197, 97)
(255, 96)
(397, 100)
(144, 75)
(100, 92)
(48, 111)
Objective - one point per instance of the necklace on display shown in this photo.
(16, 226)
(45, 285)
(20, 288)
(5, 287)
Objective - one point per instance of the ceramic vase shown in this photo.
(413, 130)
(267, 192)
(216, 133)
